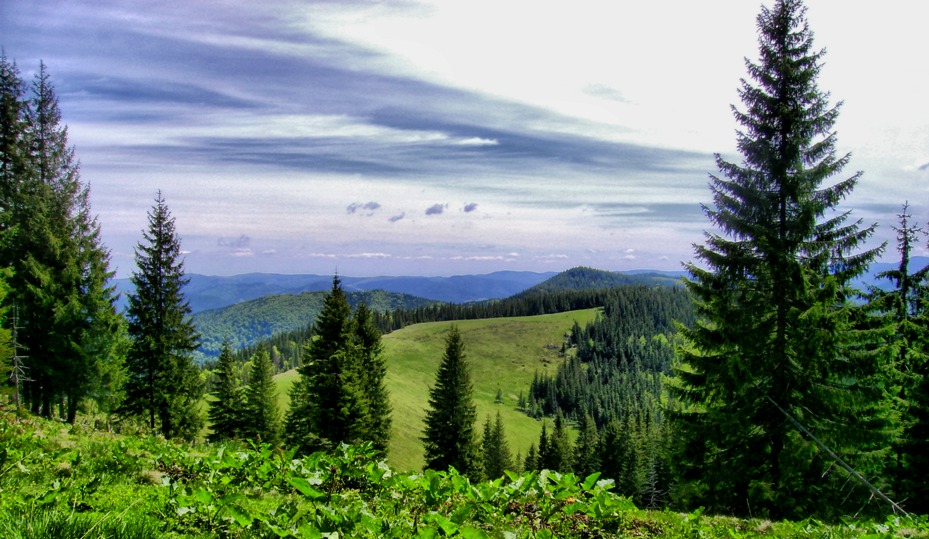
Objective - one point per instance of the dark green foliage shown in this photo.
(449, 436)
(902, 315)
(49, 236)
(226, 408)
(586, 459)
(614, 384)
(163, 386)
(325, 402)
(370, 370)
(340, 396)
(555, 450)
(771, 292)
(260, 416)
(495, 450)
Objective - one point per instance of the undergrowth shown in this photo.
(56, 482)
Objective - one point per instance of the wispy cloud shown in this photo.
(368, 207)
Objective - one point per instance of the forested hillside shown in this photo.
(245, 324)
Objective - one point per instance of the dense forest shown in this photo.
(763, 384)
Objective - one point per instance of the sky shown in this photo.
(448, 137)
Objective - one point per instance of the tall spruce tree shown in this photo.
(327, 407)
(61, 269)
(449, 436)
(226, 408)
(163, 385)
(776, 328)
(261, 418)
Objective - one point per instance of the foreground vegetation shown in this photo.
(63, 481)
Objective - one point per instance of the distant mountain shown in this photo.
(870, 279)
(249, 322)
(205, 292)
(583, 278)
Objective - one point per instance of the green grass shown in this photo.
(503, 353)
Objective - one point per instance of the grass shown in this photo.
(504, 353)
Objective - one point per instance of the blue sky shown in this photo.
(440, 138)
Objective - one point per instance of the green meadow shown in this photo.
(504, 354)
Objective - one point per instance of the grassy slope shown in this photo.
(503, 352)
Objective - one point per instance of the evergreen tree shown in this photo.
(370, 372)
(163, 386)
(771, 293)
(560, 451)
(587, 448)
(495, 450)
(903, 314)
(226, 409)
(449, 436)
(6, 342)
(61, 269)
(327, 406)
(261, 418)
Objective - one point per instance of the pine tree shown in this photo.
(495, 450)
(370, 373)
(327, 406)
(449, 436)
(226, 408)
(261, 418)
(771, 293)
(163, 385)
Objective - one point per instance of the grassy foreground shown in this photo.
(60, 481)
(504, 353)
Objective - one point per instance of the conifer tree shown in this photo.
(370, 371)
(587, 448)
(61, 269)
(326, 402)
(495, 450)
(903, 314)
(261, 418)
(560, 451)
(226, 408)
(771, 291)
(449, 436)
(163, 386)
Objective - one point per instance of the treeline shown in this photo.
(286, 348)
(612, 389)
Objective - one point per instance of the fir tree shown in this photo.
(903, 315)
(226, 408)
(61, 269)
(370, 373)
(261, 418)
(560, 451)
(326, 402)
(495, 450)
(449, 436)
(163, 385)
(771, 293)
(587, 448)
